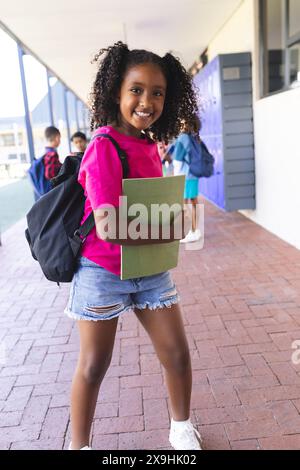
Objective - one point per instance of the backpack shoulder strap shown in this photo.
(122, 154)
(83, 231)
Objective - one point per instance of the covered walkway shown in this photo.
(241, 306)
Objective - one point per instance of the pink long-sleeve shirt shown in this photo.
(101, 175)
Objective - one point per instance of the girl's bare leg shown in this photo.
(96, 348)
(194, 214)
(166, 330)
(191, 212)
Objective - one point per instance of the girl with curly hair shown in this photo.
(184, 145)
(138, 98)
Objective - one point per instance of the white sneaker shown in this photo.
(82, 448)
(184, 436)
(192, 236)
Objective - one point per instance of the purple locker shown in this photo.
(209, 93)
(224, 89)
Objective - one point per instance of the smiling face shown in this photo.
(141, 98)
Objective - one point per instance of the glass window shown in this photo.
(38, 101)
(71, 101)
(280, 44)
(275, 46)
(7, 140)
(294, 52)
(57, 92)
(13, 137)
(81, 116)
(294, 18)
(16, 196)
(87, 121)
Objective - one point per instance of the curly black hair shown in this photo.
(193, 127)
(180, 101)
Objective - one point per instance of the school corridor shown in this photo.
(240, 298)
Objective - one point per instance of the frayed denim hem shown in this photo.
(161, 304)
(78, 316)
(151, 306)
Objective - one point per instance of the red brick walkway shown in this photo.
(241, 305)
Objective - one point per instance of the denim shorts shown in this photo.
(97, 294)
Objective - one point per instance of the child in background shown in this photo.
(80, 142)
(136, 94)
(181, 158)
(51, 159)
(165, 158)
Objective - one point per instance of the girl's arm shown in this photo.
(175, 234)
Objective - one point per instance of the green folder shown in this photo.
(146, 260)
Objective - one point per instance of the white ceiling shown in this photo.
(65, 34)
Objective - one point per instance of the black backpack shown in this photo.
(54, 233)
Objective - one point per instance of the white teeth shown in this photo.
(141, 114)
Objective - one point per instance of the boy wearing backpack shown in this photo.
(51, 160)
(46, 167)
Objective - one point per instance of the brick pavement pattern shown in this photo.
(240, 299)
